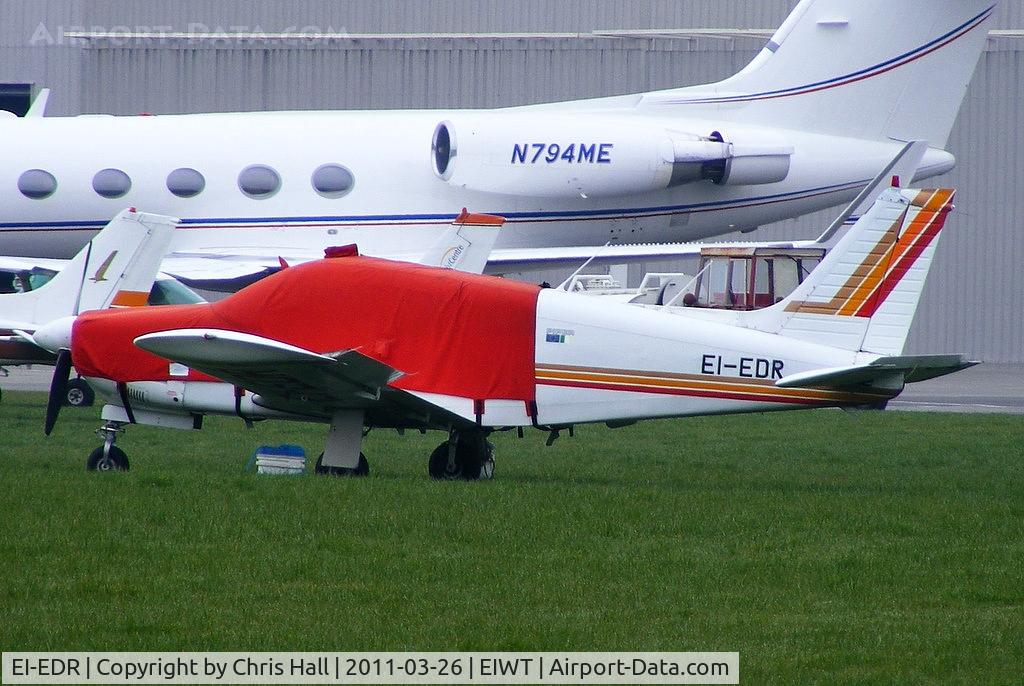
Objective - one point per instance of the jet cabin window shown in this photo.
(111, 183)
(259, 181)
(332, 180)
(37, 184)
(185, 182)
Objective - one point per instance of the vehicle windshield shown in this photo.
(172, 292)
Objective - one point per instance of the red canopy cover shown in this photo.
(449, 332)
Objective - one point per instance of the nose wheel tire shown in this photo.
(114, 461)
(362, 469)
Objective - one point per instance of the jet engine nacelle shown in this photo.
(592, 156)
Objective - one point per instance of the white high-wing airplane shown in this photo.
(804, 126)
(362, 342)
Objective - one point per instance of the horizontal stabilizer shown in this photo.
(466, 244)
(911, 368)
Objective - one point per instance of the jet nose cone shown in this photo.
(56, 335)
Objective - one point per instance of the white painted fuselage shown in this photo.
(398, 205)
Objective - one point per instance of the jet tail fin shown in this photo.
(870, 69)
(115, 269)
(865, 292)
(466, 244)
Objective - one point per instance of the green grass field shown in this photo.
(824, 547)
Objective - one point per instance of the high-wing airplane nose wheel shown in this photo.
(468, 456)
(362, 469)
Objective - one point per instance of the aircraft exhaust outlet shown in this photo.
(558, 157)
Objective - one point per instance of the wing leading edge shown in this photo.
(291, 379)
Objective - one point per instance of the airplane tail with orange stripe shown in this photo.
(865, 292)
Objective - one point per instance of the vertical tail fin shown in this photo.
(870, 69)
(467, 244)
(116, 268)
(864, 293)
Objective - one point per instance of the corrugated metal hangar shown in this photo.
(125, 57)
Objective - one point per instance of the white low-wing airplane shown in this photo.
(804, 126)
(363, 342)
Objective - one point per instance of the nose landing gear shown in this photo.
(108, 457)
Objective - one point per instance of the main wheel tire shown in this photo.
(79, 394)
(362, 469)
(114, 461)
(438, 464)
(474, 459)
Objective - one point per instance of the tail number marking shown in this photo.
(574, 153)
(746, 367)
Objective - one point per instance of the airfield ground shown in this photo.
(824, 547)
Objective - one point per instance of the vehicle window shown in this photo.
(787, 276)
(259, 181)
(172, 292)
(717, 294)
(185, 182)
(739, 282)
(37, 184)
(111, 183)
(332, 180)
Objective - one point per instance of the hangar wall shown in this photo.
(971, 305)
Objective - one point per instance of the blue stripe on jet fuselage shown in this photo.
(568, 215)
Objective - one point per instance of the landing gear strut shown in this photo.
(108, 457)
(341, 456)
(468, 456)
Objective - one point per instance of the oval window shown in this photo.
(332, 180)
(111, 183)
(37, 184)
(185, 182)
(259, 181)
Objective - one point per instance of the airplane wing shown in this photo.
(464, 246)
(513, 260)
(291, 379)
(911, 367)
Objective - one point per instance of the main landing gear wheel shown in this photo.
(473, 459)
(114, 461)
(79, 394)
(362, 469)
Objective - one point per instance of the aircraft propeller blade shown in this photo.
(58, 388)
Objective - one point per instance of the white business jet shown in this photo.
(827, 103)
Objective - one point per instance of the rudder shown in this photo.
(865, 292)
(871, 69)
